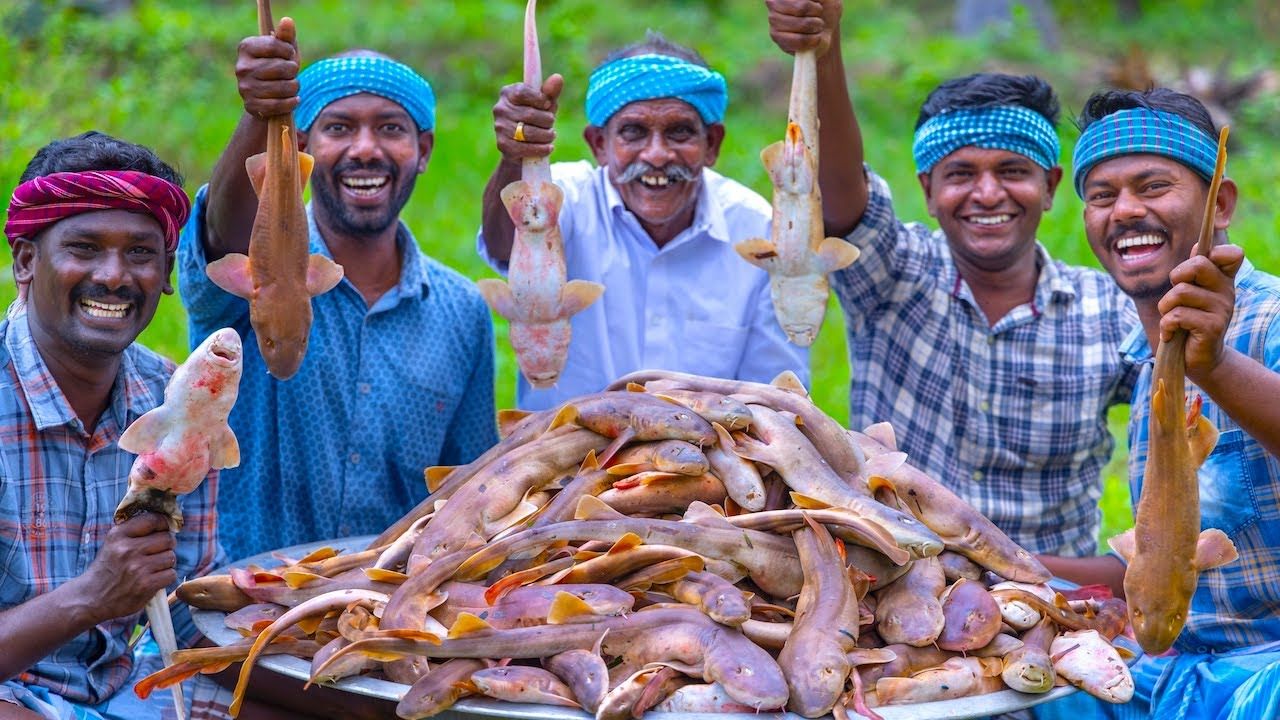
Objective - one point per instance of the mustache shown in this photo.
(104, 294)
(1139, 227)
(674, 172)
(376, 166)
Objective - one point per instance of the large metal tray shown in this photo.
(211, 624)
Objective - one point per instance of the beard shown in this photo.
(362, 222)
(1149, 292)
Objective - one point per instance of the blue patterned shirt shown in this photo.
(383, 392)
(59, 488)
(1013, 418)
(1236, 605)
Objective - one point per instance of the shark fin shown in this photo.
(256, 167)
(567, 415)
(306, 163)
(384, 575)
(789, 381)
(630, 541)
(834, 254)
(567, 607)
(319, 554)
(883, 433)
(145, 434)
(577, 295)
(497, 295)
(589, 462)
(1214, 549)
(224, 449)
(627, 435)
(436, 475)
(1124, 545)
(232, 272)
(323, 274)
(628, 468)
(758, 251)
(508, 419)
(805, 502)
(636, 387)
(591, 507)
(297, 579)
(467, 624)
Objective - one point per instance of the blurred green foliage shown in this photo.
(161, 73)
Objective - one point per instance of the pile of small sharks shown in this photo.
(678, 543)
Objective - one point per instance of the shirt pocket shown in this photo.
(1228, 499)
(712, 349)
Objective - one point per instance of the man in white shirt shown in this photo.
(652, 223)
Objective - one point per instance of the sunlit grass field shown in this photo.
(161, 73)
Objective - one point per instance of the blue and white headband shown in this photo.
(1143, 130)
(615, 85)
(1004, 127)
(335, 78)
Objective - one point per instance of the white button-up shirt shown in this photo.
(693, 305)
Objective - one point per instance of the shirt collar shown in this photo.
(1135, 348)
(413, 272)
(49, 406)
(1051, 285)
(708, 215)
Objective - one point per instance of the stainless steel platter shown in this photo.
(212, 625)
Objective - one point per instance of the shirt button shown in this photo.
(355, 458)
(88, 537)
(991, 339)
(977, 476)
(984, 406)
(364, 388)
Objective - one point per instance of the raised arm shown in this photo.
(536, 109)
(815, 24)
(1202, 302)
(136, 559)
(267, 75)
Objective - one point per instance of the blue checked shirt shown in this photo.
(59, 487)
(1236, 605)
(383, 392)
(1013, 418)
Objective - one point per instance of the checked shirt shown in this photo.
(1012, 417)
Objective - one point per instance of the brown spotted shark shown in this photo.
(277, 277)
(1166, 550)
(536, 299)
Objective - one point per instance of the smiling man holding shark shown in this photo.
(651, 221)
(399, 374)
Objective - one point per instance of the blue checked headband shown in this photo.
(1143, 130)
(1004, 127)
(615, 85)
(335, 78)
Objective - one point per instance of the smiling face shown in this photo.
(655, 151)
(1142, 214)
(989, 204)
(94, 281)
(368, 154)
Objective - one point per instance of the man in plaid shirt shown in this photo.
(995, 364)
(1143, 167)
(92, 227)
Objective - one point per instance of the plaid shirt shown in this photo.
(1236, 605)
(59, 487)
(1013, 418)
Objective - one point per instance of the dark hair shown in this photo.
(1102, 104)
(982, 90)
(97, 151)
(655, 43)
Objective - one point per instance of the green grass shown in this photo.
(162, 74)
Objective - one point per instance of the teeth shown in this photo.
(1139, 240)
(365, 187)
(990, 219)
(655, 180)
(104, 310)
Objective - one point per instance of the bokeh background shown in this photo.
(160, 72)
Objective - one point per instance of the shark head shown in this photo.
(541, 350)
(800, 303)
(282, 333)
